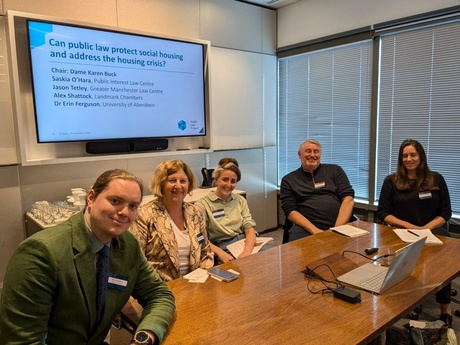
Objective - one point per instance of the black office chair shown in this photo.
(453, 292)
(288, 224)
(207, 177)
(414, 315)
(122, 321)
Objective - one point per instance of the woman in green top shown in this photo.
(227, 214)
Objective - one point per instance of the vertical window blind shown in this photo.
(325, 95)
(419, 98)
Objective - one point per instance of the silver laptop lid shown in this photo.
(403, 263)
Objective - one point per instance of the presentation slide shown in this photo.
(94, 84)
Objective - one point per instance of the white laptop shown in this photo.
(375, 278)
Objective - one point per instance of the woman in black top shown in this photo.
(416, 198)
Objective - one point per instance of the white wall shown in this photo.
(309, 19)
(11, 230)
(235, 29)
(7, 138)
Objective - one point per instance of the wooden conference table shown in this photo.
(270, 304)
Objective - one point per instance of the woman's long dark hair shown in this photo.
(424, 180)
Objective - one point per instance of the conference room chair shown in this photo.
(207, 177)
(418, 310)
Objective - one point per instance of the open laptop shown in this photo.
(377, 278)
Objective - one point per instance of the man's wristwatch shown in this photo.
(142, 337)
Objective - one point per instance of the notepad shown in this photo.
(197, 276)
(408, 236)
(349, 230)
(236, 248)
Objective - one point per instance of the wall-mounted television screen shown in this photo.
(101, 84)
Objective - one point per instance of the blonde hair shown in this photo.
(228, 166)
(164, 169)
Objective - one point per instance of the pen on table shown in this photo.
(413, 233)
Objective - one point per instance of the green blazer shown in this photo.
(49, 290)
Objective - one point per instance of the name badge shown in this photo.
(425, 195)
(320, 185)
(218, 213)
(200, 238)
(117, 282)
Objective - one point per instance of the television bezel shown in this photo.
(205, 49)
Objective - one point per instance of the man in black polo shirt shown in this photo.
(316, 196)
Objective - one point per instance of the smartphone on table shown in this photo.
(221, 274)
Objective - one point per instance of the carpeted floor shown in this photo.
(399, 334)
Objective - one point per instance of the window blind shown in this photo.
(418, 98)
(325, 95)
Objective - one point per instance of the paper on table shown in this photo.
(197, 276)
(407, 235)
(349, 230)
(236, 248)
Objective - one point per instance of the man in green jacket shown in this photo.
(50, 287)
